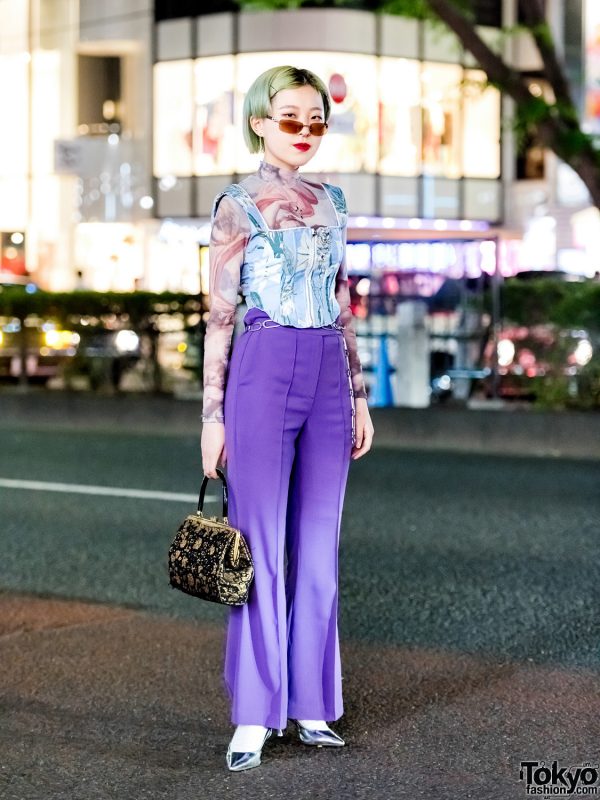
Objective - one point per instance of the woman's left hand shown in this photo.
(363, 427)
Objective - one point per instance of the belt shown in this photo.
(264, 323)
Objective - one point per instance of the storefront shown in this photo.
(430, 151)
(37, 86)
(126, 205)
(420, 167)
(428, 280)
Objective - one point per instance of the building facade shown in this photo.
(125, 123)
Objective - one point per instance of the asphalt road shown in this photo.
(469, 622)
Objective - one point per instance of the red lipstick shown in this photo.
(302, 147)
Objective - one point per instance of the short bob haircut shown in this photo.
(257, 102)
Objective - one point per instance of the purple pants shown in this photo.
(288, 437)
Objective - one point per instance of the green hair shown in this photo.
(257, 102)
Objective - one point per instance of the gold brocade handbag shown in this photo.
(209, 558)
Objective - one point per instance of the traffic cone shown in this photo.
(383, 395)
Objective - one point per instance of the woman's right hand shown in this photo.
(213, 447)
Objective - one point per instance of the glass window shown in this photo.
(351, 143)
(531, 153)
(592, 67)
(399, 196)
(437, 126)
(14, 91)
(214, 131)
(439, 198)
(47, 122)
(488, 12)
(521, 17)
(173, 118)
(171, 9)
(399, 117)
(482, 199)
(481, 127)
(13, 203)
(14, 159)
(441, 135)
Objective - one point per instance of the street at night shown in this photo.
(468, 621)
(345, 255)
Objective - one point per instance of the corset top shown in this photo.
(290, 273)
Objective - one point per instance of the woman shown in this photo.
(287, 412)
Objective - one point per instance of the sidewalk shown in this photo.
(492, 430)
(104, 702)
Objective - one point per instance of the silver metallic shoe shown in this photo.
(239, 761)
(319, 738)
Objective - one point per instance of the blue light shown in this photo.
(31, 288)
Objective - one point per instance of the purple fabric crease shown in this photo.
(288, 436)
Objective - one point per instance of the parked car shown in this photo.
(46, 348)
(50, 350)
(104, 355)
(536, 351)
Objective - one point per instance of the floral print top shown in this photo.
(281, 239)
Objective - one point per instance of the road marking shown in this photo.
(112, 491)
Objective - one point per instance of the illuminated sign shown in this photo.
(455, 260)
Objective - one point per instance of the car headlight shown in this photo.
(60, 340)
(583, 352)
(506, 352)
(444, 382)
(127, 341)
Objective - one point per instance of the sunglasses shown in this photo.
(294, 126)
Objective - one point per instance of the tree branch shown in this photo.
(556, 125)
(497, 70)
(533, 14)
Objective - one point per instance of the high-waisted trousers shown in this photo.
(289, 431)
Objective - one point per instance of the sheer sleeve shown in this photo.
(345, 318)
(229, 235)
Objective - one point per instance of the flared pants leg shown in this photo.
(288, 437)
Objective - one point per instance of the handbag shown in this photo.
(209, 558)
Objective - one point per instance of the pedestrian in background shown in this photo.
(286, 414)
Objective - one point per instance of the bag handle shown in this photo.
(203, 490)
